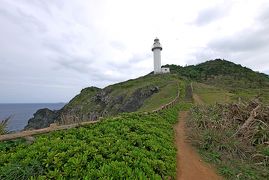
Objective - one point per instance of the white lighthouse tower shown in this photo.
(156, 48)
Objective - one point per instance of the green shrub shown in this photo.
(133, 145)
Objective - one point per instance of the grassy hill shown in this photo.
(142, 94)
(223, 81)
(127, 96)
(222, 73)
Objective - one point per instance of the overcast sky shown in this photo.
(51, 49)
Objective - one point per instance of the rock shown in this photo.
(42, 119)
(137, 99)
(119, 99)
(91, 104)
(102, 96)
(154, 89)
(93, 116)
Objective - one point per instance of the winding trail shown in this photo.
(189, 164)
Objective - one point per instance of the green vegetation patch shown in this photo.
(166, 94)
(225, 81)
(247, 94)
(133, 145)
(210, 94)
(222, 73)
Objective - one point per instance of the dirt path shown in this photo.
(189, 164)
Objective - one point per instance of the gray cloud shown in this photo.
(55, 47)
(138, 58)
(211, 14)
(254, 38)
(246, 40)
(264, 15)
(117, 45)
(80, 65)
(22, 19)
(50, 50)
(36, 43)
(249, 47)
(45, 5)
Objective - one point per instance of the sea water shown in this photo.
(21, 113)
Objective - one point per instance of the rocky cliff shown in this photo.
(93, 102)
(42, 118)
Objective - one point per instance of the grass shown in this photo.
(247, 94)
(210, 94)
(235, 157)
(164, 96)
(84, 99)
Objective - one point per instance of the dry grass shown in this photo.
(239, 153)
(3, 125)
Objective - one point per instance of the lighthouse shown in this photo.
(157, 48)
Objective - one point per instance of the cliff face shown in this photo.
(93, 102)
(42, 118)
(107, 102)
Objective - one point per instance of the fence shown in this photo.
(55, 127)
(168, 105)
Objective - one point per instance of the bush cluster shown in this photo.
(133, 145)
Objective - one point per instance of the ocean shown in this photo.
(21, 113)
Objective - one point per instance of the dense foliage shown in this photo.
(223, 73)
(214, 130)
(134, 145)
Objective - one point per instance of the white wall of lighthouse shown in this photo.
(157, 61)
(156, 48)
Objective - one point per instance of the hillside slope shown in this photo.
(222, 73)
(144, 93)
(148, 92)
(223, 81)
